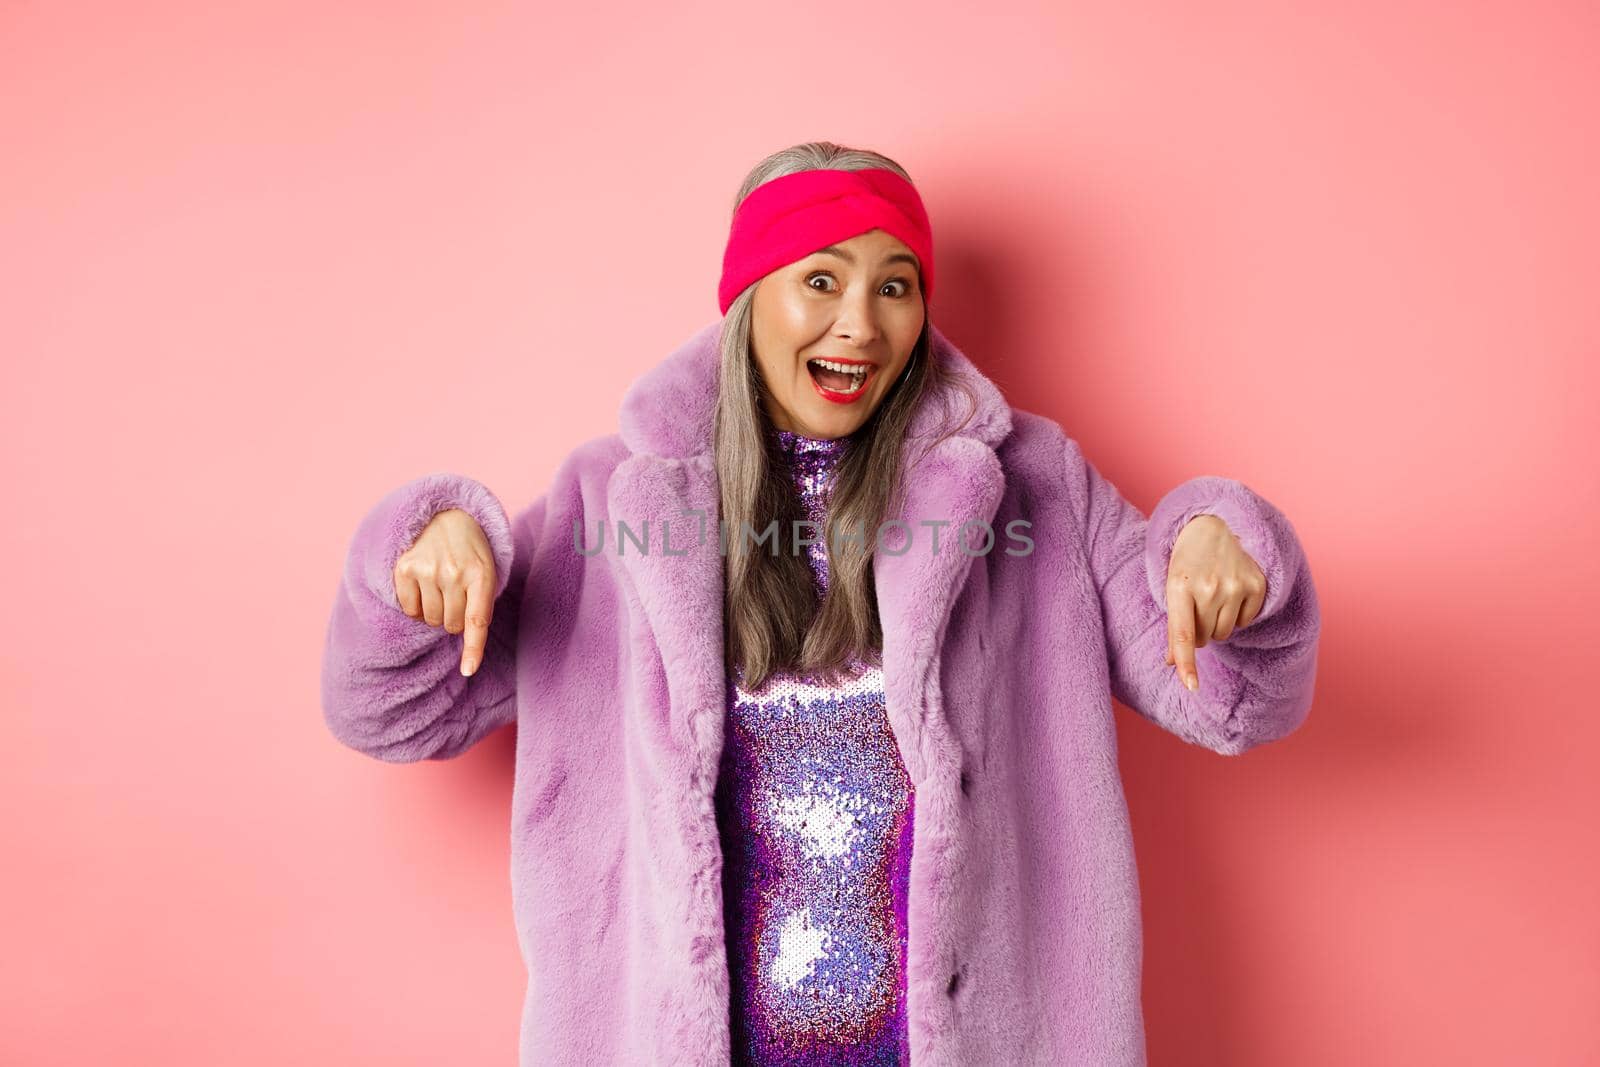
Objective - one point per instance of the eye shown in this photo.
(905, 286)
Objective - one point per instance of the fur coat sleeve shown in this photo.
(391, 685)
(1255, 686)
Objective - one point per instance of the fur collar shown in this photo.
(670, 476)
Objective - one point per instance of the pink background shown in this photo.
(258, 267)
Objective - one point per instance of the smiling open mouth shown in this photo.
(840, 382)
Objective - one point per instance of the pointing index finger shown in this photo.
(480, 608)
(1180, 632)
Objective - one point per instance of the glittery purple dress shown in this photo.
(814, 808)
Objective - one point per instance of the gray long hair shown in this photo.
(772, 618)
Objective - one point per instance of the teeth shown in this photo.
(857, 374)
(842, 368)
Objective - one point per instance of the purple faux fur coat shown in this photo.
(1025, 943)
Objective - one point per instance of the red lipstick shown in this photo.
(837, 397)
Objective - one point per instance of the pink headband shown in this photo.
(789, 218)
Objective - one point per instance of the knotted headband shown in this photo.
(789, 218)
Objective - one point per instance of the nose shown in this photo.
(857, 321)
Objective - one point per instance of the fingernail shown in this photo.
(1192, 682)
(468, 668)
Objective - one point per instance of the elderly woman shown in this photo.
(812, 667)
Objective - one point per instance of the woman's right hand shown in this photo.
(447, 578)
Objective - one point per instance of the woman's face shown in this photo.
(857, 303)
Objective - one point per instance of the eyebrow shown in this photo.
(835, 250)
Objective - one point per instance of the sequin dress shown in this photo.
(814, 807)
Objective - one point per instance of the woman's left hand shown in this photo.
(1213, 589)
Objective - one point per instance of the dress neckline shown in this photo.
(793, 441)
